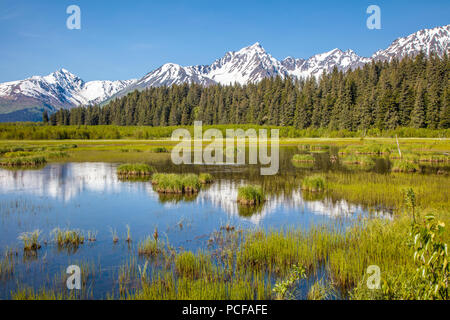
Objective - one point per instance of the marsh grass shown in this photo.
(151, 247)
(191, 183)
(92, 236)
(250, 195)
(67, 237)
(130, 150)
(277, 251)
(321, 290)
(176, 183)
(114, 236)
(6, 266)
(43, 294)
(30, 161)
(128, 235)
(169, 286)
(368, 149)
(205, 178)
(404, 166)
(159, 150)
(193, 266)
(303, 158)
(386, 190)
(315, 183)
(30, 240)
(433, 158)
(375, 242)
(364, 161)
(133, 170)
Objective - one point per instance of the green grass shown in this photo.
(6, 265)
(368, 149)
(135, 169)
(433, 158)
(193, 266)
(303, 158)
(30, 240)
(168, 183)
(159, 150)
(68, 238)
(404, 166)
(387, 190)
(250, 195)
(364, 161)
(205, 178)
(176, 183)
(31, 161)
(315, 183)
(151, 247)
(191, 183)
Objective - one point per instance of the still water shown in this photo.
(90, 197)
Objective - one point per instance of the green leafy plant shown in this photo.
(431, 258)
(283, 289)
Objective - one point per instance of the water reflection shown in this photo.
(65, 182)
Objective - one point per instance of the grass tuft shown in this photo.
(250, 195)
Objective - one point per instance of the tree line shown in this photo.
(413, 92)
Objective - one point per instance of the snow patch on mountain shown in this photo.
(436, 40)
(251, 64)
(61, 89)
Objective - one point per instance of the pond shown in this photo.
(90, 197)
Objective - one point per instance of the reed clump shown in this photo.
(205, 178)
(67, 237)
(30, 240)
(315, 183)
(29, 161)
(135, 170)
(151, 247)
(404, 166)
(250, 195)
(176, 183)
(193, 266)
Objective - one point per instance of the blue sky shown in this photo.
(126, 39)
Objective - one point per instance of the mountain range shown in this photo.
(24, 100)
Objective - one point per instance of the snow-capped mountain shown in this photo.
(62, 89)
(324, 62)
(436, 40)
(170, 74)
(250, 64)
(253, 63)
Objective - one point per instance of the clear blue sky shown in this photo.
(126, 39)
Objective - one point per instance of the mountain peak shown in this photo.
(435, 40)
(251, 64)
(256, 47)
